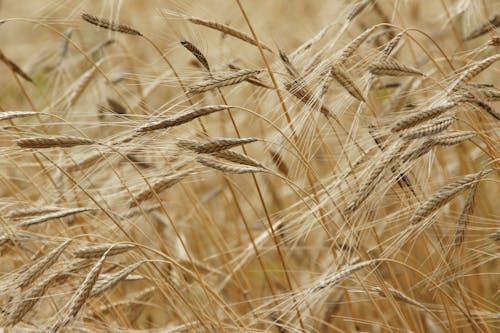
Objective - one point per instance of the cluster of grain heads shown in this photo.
(445, 194)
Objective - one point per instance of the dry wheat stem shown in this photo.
(109, 25)
(52, 216)
(157, 187)
(223, 80)
(424, 130)
(392, 68)
(37, 269)
(96, 251)
(16, 114)
(215, 145)
(445, 194)
(484, 28)
(53, 141)
(414, 119)
(196, 53)
(182, 118)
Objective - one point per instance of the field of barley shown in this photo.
(249, 166)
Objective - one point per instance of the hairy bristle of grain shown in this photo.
(28, 299)
(337, 276)
(278, 161)
(112, 280)
(52, 216)
(417, 118)
(453, 138)
(157, 187)
(37, 269)
(345, 81)
(424, 130)
(14, 67)
(228, 30)
(350, 48)
(53, 141)
(96, 251)
(475, 70)
(223, 80)
(80, 297)
(445, 194)
(467, 211)
(484, 28)
(227, 167)
(357, 9)
(109, 25)
(16, 114)
(237, 158)
(392, 68)
(215, 145)
(182, 118)
(196, 53)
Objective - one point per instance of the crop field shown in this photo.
(249, 166)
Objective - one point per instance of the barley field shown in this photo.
(249, 166)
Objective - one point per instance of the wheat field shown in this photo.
(249, 166)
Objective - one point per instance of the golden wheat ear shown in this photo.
(110, 25)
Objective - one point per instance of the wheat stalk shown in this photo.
(453, 138)
(16, 114)
(228, 79)
(424, 130)
(196, 53)
(14, 67)
(215, 145)
(414, 119)
(227, 167)
(334, 278)
(357, 9)
(237, 158)
(112, 280)
(345, 81)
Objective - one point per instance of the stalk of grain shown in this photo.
(112, 280)
(52, 216)
(414, 119)
(424, 130)
(53, 141)
(96, 251)
(215, 145)
(484, 28)
(223, 80)
(227, 167)
(110, 25)
(392, 68)
(196, 53)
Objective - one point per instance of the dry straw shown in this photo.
(215, 145)
(392, 68)
(445, 194)
(52, 216)
(223, 80)
(182, 118)
(53, 141)
(96, 251)
(110, 25)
